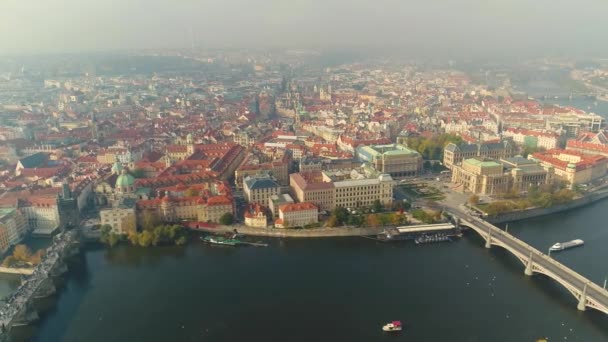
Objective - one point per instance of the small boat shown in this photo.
(218, 240)
(393, 326)
(560, 246)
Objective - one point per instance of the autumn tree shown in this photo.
(473, 200)
(22, 253)
(372, 220)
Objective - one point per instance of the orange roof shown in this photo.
(297, 207)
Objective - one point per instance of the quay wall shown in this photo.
(536, 212)
(297, 233)
(10, 270)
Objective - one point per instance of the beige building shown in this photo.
(255, 216)
(121, 217)
(13, 221)
(297, 215)
(327, 190)
(572, 166)
(393, 159)
(170, 209)
(490, 177)
(454, 154)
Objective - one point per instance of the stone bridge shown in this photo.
(19, 308)
(587, 293)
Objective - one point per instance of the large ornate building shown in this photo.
(491, 177)
(393, 159)
(328, 190)
(454, 154)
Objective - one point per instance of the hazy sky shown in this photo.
(509, 26)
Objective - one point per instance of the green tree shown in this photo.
(341, 215)
(138, 173)
(113, 239)
(181, 241)
(227, 219)
(377, 206)
(384, 219)
(106, 230)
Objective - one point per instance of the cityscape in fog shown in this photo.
(227, 170)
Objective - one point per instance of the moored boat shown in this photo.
(218, 240)
(393, 326)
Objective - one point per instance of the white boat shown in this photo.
(560, 246)
(393, 326)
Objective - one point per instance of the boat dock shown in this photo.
(411, 232)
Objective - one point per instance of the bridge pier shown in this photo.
(489, 239)
(528, 270)
(582, 301)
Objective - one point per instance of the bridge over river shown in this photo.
(18, 308)
(587, 293)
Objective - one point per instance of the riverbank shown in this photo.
(296, 233)
(589, 198)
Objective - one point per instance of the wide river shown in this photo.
(330, 290)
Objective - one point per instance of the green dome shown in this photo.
(124, 180)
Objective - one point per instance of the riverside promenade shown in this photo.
(297, 233)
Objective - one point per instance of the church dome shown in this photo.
(125, 180)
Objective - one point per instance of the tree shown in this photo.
(341, 215)
(473, 200)
(332, 221)
(106, 229)
(133, 237)
(377, 206)
(372, 220)
(145, 238)
(149, 220)
(181, 241)
(138, 173)
(398, 219)
(113, 239)
(22, 253)
(384, 219)
(227, 219)
(36, 258)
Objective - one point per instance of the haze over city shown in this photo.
(276, 170)
(466, 28)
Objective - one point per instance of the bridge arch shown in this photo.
(534, 267)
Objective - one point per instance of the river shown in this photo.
(331, 289)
